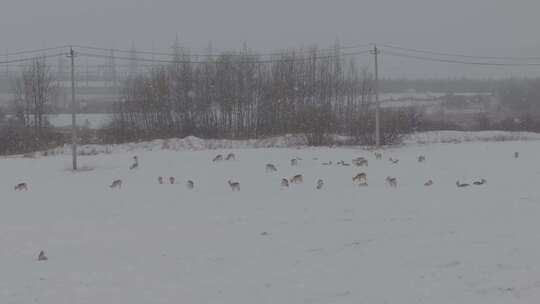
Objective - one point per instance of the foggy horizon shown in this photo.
(481, 28)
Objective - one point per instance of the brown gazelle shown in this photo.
(394, 161)
(42, 256)
(116, 184)
(428, 183)
(270, 168)
(218, 157)
(172, 180)
(421, 158)
(235, 186)
(360, 179)
(480, 182)
(190, 184)
(297, 179)
(320, 184)
(360, 162)
(21, 187)
(516, 155)
(391, 181)
(135, 164)
(230, 156)
(461, 185)
(160, 180)
(294, 162)
(284, 183)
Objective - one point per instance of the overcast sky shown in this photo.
(478, 27)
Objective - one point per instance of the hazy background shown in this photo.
(477, 27)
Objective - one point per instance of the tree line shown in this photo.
(241, 95)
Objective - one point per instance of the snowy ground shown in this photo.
(151, 243)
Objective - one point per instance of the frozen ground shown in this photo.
(151, 243)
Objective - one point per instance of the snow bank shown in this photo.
(434, 137)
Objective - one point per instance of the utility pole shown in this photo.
(376, 52)
(73, 111)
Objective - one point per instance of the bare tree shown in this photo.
(35, 90)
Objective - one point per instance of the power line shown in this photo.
(35, 51)
(31, 58)
(217, 62)
(277, 53)
(432, 59)
(458, 55)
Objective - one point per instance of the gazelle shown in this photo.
(320, 184)
(391, 181)
(516, 155)
(172, 180)
(160, 180)
(360, 178)
(42, 256)
(480, 182)
(460, 185)
(294, 162)
(230, 156)
(116, 184)
(190, 184)
(270, 168)
(428, 183)
(360, 162)
(378, 155)
(235, 186)
(284, 183)
(21, 187)
(135, 164)
(218, 157)
(297, 179)
(421, 158)
(394, 161)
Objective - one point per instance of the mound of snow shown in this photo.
(434, 137)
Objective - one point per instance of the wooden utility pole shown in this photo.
(376, 52)
(73, 111)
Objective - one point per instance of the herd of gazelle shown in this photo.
(360, 179)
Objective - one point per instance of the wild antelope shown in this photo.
(284, 183)
(235, 186)
(320, 184)
(378, 155)
(343, 163)
(327, 163)
(360, 178)
(360, 161)
(394, 161)
(480, 182)
(421, 158)
(294, 162)
(391, 181)
(270, 168)
(116, 184)
(230, 156)
(460, 185)
(428, 183)
(297, 179)
(21, 187)
(135, 164)
(172, 180)
(190, 184)
(516, 154)
(218, 158)
(160, 180)
(42, 256)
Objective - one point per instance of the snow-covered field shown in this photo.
(151, 243)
